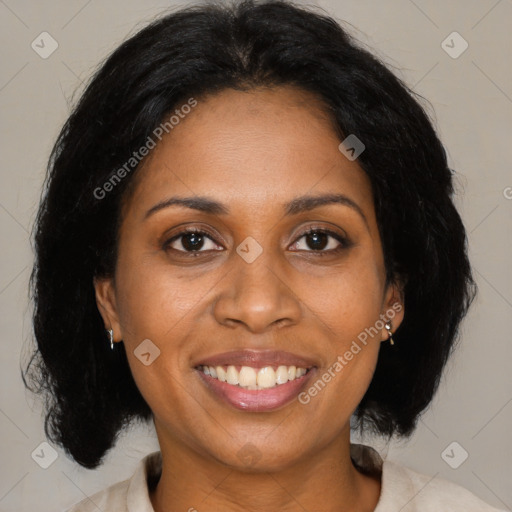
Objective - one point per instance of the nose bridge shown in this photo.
(258, 295)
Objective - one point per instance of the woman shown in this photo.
(247, 236)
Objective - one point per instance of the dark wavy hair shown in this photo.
(90, 394)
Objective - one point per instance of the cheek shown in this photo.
(348, 304)
(348, 300)
(154, 300)
(160, 304)
(156, 304)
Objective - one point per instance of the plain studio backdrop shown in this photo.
(456, 54)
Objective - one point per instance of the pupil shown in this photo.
(319, 240)
(192, 241)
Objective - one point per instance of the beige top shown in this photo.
(402, 489)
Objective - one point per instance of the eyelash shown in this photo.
(344, 242)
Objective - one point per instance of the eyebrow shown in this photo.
(295, 206)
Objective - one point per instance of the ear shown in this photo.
(106, 302)
(393, 306)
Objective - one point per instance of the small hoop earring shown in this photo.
(111, 335)
(387, 325)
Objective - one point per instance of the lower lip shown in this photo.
(257, 400)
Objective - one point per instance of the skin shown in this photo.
(252, 151)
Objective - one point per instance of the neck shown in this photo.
(192, 481)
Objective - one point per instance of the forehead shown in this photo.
(250, 149)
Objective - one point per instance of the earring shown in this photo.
(111, 334)
(387, 325)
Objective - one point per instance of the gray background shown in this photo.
(471, 98)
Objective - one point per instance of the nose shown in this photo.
(257, 295)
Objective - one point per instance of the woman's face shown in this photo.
(250, 281)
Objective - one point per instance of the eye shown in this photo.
(321, 241)
(191, 240)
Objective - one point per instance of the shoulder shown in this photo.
(408, 491)
(111, 498)
(130, 495)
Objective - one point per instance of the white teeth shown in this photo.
(267, 377)
(253, 378)
(247, 377)
(232, 376)
(282, 375)
(221, 373)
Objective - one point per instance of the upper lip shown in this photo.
(257, 358)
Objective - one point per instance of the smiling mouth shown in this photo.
(254, 378)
